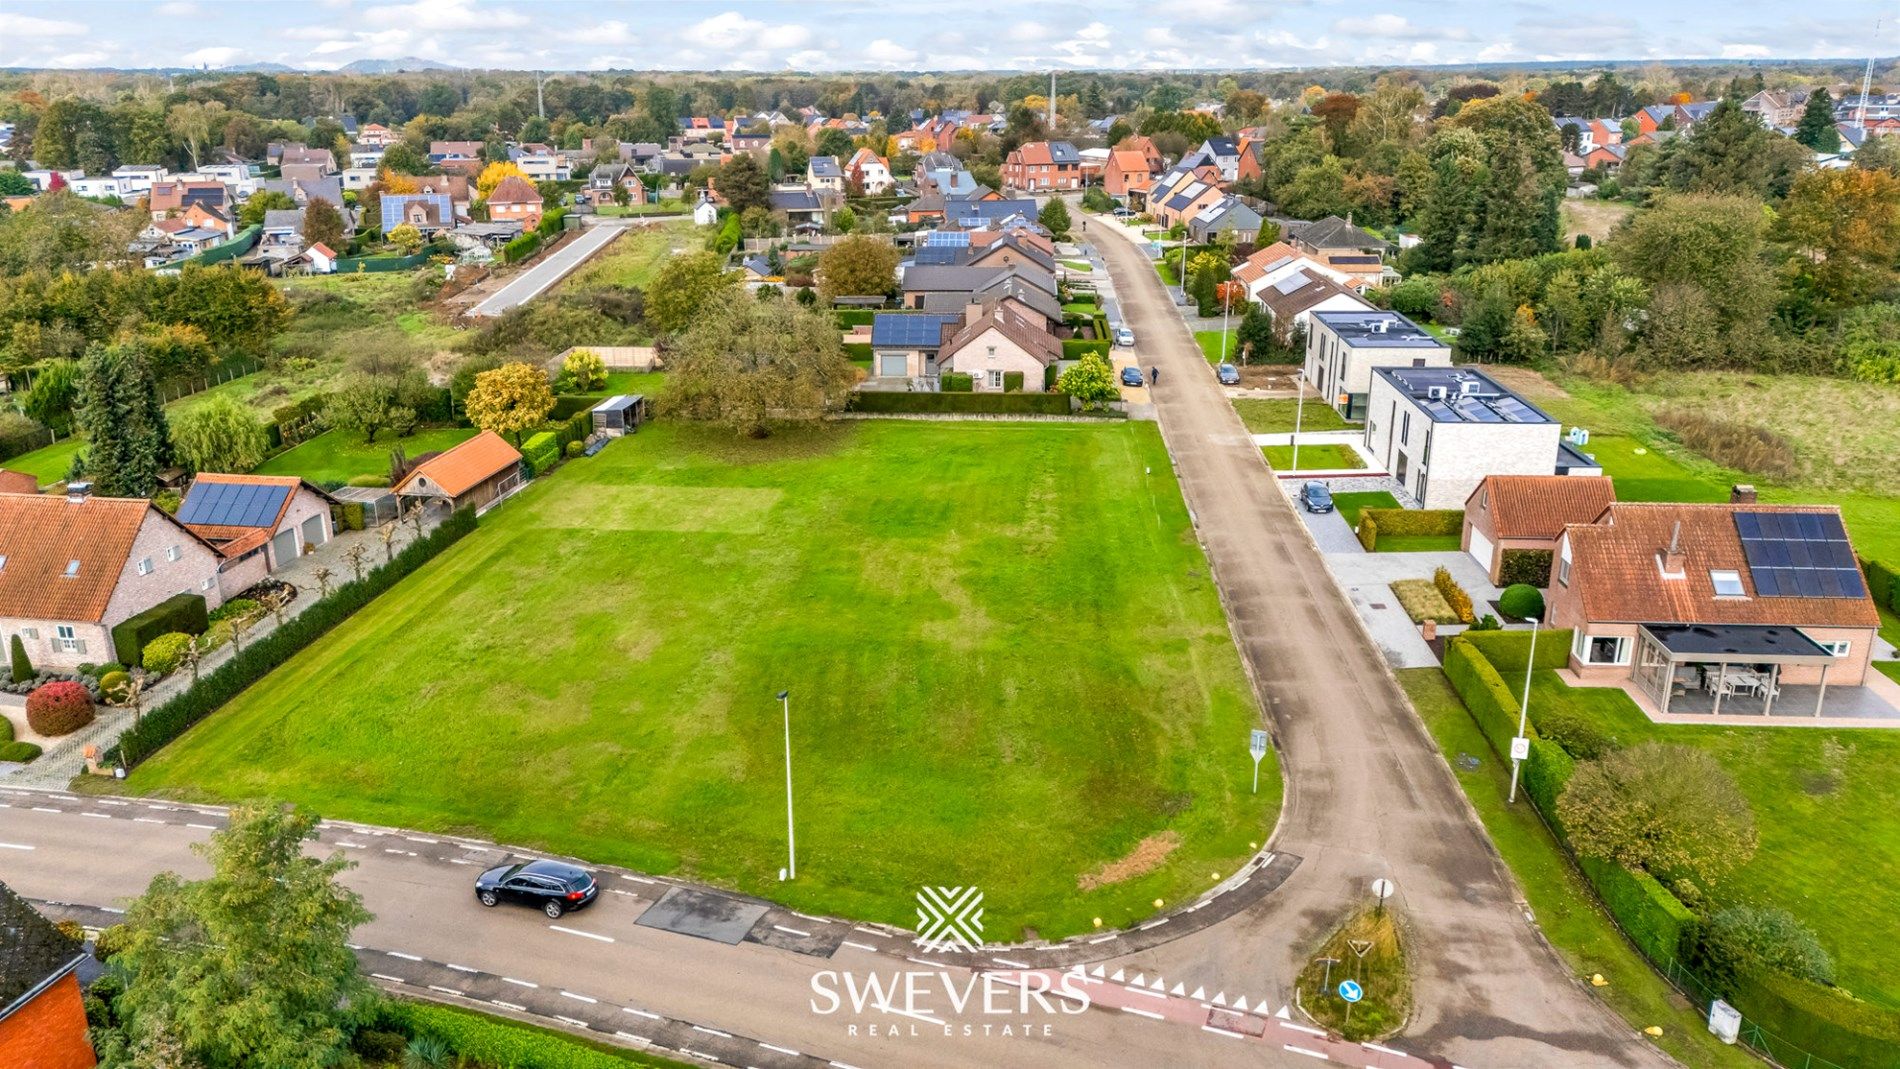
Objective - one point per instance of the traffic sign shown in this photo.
(1257, 747)
(1520, 748)
(1351, 991)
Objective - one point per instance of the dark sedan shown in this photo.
(1131, 376)
(1228, 374)
(549, 886)
(1316, 498)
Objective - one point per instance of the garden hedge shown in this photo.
(1826, 1021)
(857, 350)
(1024, 404)
(487, 1040)
(1486, 695)
(541, 452)
(957, 382)
(1077, 348)
(350, 515)
(1012, 382)
(520, 248)
(261, 655)
(1455, 595)
(1654, 919)
(1368, 531)
(569, 405)
(1883, 582)
(18, 751)
(1528, 566)
(854, 317)
(180, 612)
(1416, 521)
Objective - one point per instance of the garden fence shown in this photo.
(217, 375)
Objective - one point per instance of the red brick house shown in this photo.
(514, 199)
(1507, 513)
(1128, 171)
(1146, 146)
(1041, 165)
(42, 1013)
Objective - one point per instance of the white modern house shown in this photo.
(1441, 430)
(1342, 348)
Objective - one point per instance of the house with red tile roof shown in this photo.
(515, 200)
(1509, 514)
(1043, 165)
(476, 474)
(1128, 171)
(257, 523)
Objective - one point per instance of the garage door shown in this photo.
(283, 548)
(891, 365)
(314, 533)
(1481, 549)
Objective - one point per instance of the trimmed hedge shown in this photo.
(1883, 582)
(1416, 521)
(1455, 595)
(18, 751)
(1659, 924)
(1824, 1020)
(496, 1041)
(542, 452)
(262, 655)
(1528, 566)
(857, 350)
(1012, 382)
(520, 248)
(1368, 531)
(350, 515)
(1025, 404)
(180, 612)
(854, 317)
(1077, 348)
(1485, 693)
(957, 382)
(566, 405)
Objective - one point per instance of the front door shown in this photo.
(1398, 471)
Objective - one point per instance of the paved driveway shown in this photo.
(552, 268)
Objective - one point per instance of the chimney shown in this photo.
(77, 493)
(1741, 494)
(1672, 557)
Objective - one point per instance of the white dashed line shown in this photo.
(519, 983)
(860, 946)
(1151, 924)
(1302, 1028)
(583, 935)
(712, 1031)
(1222, 1032)
(631, 1038)
(570, 1021)
(421, 839)
(46, 809)
(507, 1005)
(351, 845)
(448, 990)
(641, 1013)
(386, 976)
(1303, 1050)
(203, 827)
(1384, 1050)
(14, 846)
(108, 801)
(867, 931)
(97, 816)
(1009, 964)
(792, 931)
(1104, 939)
(1144, 991)
(354, 946)
(459, 861)
(146, 820)
(579, 998)
(1143, 1013)
(400, 954)
(460, 968)
(843, 1065)
(635, 879)
(782, 1050)
(160, 808)
(112, 909)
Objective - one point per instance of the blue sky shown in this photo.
(859, 35)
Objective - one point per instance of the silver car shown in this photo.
(1125, 338)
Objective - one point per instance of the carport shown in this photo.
(1736, 661)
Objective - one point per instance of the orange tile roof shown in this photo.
(1618, 579)
(41, 533)
(1254, 267)
(1541, 506)
(17, 482)
(514, 189)
(466, 466)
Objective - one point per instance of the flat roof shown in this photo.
(1717, 642)
(1378, 328)
(618, 402)
(1461, 395)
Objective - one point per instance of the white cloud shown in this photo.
(1095, 31)
(885, 52)
(216, 56)
(78, 60)
(30, 26)
(177, 9)
(1397, 27)
(445, 15)
(734, 33)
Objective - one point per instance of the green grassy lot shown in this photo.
(662, 207)
(1007, 661)
(1077, 265)
(1275, 415)
(1082, 308)
(1210, 341)
(1565, 907)
(633, 258)
(335, 457)
(1165, 268)
(1325, 456)
(50, 464)
(1349, 505)
(1828, 808)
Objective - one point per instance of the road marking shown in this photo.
(642, 1040)
(1151, 924)
(393, 850)
(792, 931)
(99, 816)
(14, 846)
(1143, 1013)
(108, 801)
(460, 968)
(635, 879)
(400, 954)
(611, 890)
(781, 1050)
(146, 820)
(508, 1005)
(1010, 964)
(386, 976)
(160, 808)
(1302, 1028)
(1144, 991)
(354, 946)
(1103, 939)
(1303, 1050)
(1384, 1050)
(1222, 1032)
(344, 842)
(867, 931)
(712, 1031)
(46, 809)
(583, 935)
(459, 861)
(519, 983)
(641, 1013)
(849, 943)
(579, 998)
(203, 827)
(570, 1021)
(844, 1065)
(448, 990)
(421, 839)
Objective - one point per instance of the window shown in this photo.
(1563, 571)
(205, 585)
(145, 565)
(72, 568)
(1727, 584)
(1838, 649)
(29, 632)
(1607, 649)
(1405, 428)
(996, 380)
(66, 641)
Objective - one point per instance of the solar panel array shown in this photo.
(940, 255)
(1799, 555)
(900, 331)
(233, 504)
(1296, 280)
(952, 238)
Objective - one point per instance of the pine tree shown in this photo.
(22, 666)
(1816, 129)
(128, 440)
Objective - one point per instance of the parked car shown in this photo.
(1132, 376)
(1228, 374)
(1124, 213)
(1314, 497)
(549, 886)
(1125, 338)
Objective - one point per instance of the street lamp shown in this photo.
(791, 840)
(1521, 746)
(1226, 307)
(1299, 413)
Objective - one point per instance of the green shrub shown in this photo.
(1576, 731)
(1486, 622)
(6, 729)
(261, 655)
(541, 452)
(21, 752)
(166, 652)
(1522, 602)
(957, 382)
(58, 708)
(180, 612)
(1076, 348)
(1416, 521)
(350, 515)
(520, 248)
(1655, 920)
(1368, 531)
(1883, 582)
(1528, 566)
(372, 481)
(1824, 1020)
(1455, 595)
(115, 687)
(378, 1045)
(22, 666)
(857, 350)
(1741, 940)
(493, 1041)
(1028, 404)
(575, 449)
(1012, 382)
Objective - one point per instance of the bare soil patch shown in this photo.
(1147, 855)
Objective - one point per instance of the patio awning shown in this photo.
(1733, 643)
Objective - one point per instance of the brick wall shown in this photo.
(48, 1032)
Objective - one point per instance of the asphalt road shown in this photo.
(1367, 793)
(551, 269)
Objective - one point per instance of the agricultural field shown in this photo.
(977, 695)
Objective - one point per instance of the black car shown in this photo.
(549, 886)
(1131, 376)
(1228, 374)
(1316, 498)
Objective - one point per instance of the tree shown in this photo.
(406, 236)
(1268, 233)
(15, 184)
(1711, 246)
(746, 363)
(1741, 941)
(250, 966)
(264, 200)
(1846, 226)
(1729, 152)
(493, 174)
(1335, 111)
(55, 389)
(744, 184)
(1090, 380)
(510, 399)
(585, 370)
(1816, 128)
(63, 232)
(402, 158)
(197, 125)
(21, 665)
(175, 350)
(860, 266)
(682, 286)
(322, 223)
(1055, 218)
(1254, 338)
(128, 441)
(74, 133)
(220, 435)
(1664, 808)
(832, 142)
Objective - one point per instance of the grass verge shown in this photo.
(1325, 456)
(1369, 950)
(1275, 415)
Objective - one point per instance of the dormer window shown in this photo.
(72, 568)
(1728, 584)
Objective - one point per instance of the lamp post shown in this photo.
(1521, 746)
(791, 840)
(1183, 278)
(1299, 412)
(1226, 307)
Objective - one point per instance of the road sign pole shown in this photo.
(1257, 747)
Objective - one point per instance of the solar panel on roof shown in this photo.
(1799, 554)
(1292, 282)
(233, 504)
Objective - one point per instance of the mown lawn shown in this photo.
(337, 456)
(1349, 505)
(1007, 663)
(1276, 415)
(1827, 804)
(49, 464)
(1565, 907)
(1325, 456)
(1210, 343)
